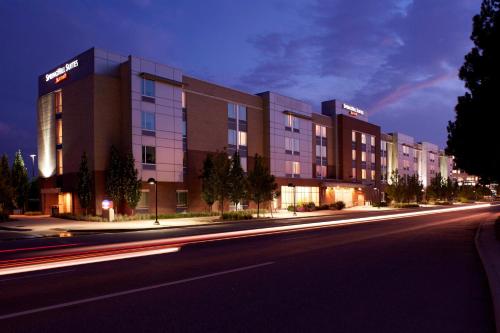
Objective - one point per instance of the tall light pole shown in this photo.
(33, 164)
(153, 181)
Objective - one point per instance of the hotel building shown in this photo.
(170, 121)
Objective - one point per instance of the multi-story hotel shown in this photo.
(423, 159)
(170, 121)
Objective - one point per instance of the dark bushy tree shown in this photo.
(122, 184)
(475, 129)
(261, 183)
(20, 181)
(6, 190)
(221, 178)
(84, 186)
(207, 181)
(237, 181)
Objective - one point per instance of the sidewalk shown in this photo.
(43, 226)
(488, 248)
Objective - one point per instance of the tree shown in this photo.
(207, 181)
(237, 181)
(122, 184)
(20, 181)
(132, 185)
(221, 183)
(84, 186)
(475, 126)
(6, 190)
(261, 183)
(396, 188)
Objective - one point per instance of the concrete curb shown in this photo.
(491, 273)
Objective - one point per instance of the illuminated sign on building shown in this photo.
(353, 110)
(60, 73)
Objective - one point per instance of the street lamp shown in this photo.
(33, 164)
(152, 181)
(294, 206)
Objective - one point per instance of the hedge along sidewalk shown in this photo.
(488, 248)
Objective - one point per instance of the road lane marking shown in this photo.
(132, 291)
(38, 275)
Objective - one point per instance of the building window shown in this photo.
(244, 163)
(231, 111)
(144, 200)
(321, 171)
(148, 88)
(292, 146)
(242, 113)
(363, 173)
(58, 101)
(406, 165)
(373, 157)
(363, 156)
(353, 173)
(231, 137)
(298, 195)
(148, 155)
(242, 138)
(372, 141)
(353, 136)
(321, 131)
(354, 154)
(59, 162)
(406, 150)
(182, 198)
(292, 123)
(373, 174)
(432, 157)
(148, 121)
(59, 136)
(292, 169)
(363, 139)
(183, 100)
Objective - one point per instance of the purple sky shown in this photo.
(398, 60)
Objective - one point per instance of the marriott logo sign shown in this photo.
(61, 70)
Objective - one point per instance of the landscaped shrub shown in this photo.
(32, 213)
(322, 207)
(380, 204)
(306, 207)
(237, 215)
(339, 205)
(443, 203)
(137, 217)
(290, 208)
(407, 205)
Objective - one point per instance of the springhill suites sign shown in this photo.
(61, 71)
(353, 110)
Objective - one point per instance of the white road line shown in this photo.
(131, 291)
(37, 275)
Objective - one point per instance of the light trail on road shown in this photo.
(95, 254)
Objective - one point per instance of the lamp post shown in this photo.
(377, 199)
(294, 206)
(33, 164)
(152, 181)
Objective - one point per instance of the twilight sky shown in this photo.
(396, 59)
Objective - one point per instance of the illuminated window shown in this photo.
(148, 121)
(363, 138)
(372, 140)
(242, 138)
(353, 136)
(148, 88)
(292, 169)
(244, 163)
(58, 101)
(363, 173)
(363, 156)
(292, 146)
(292, 123)
(406, 150)
(373, 157)
(183, 100)
(373, 174)
(302, 194)
(354, 154)
(353, 172)
(148, 155)
(59, 137)
(59, 162)
(320, 131)
(321, 171)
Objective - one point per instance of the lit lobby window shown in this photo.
(59, 137)
(59, 162)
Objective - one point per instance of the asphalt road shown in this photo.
(419, 274)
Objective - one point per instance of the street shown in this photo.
(412, 274)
